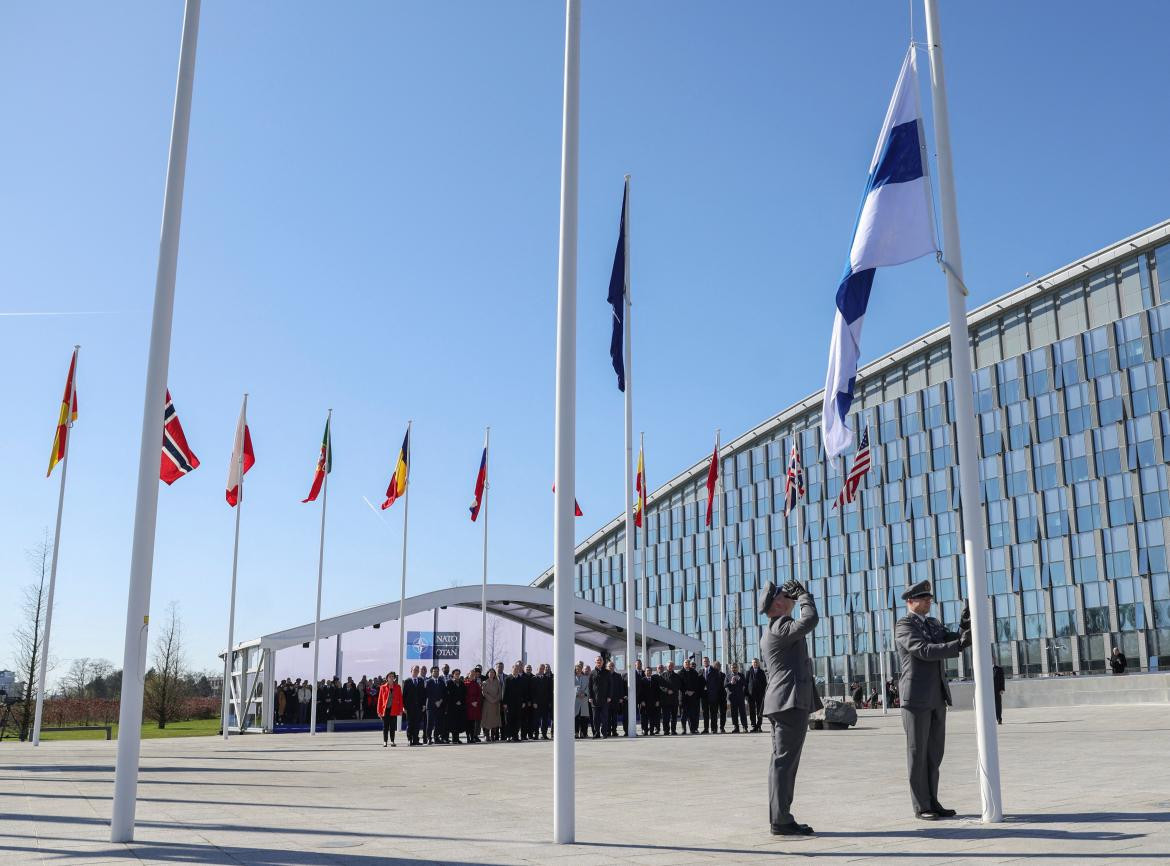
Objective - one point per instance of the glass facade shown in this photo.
(1074, 435)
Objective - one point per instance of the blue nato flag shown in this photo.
(617, 298)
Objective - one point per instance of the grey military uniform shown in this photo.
(790, 697)
(922, 645)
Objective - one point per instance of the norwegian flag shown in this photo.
(177, 457)
(861, 463)
(794, 484)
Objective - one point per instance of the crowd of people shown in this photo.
(445, 706)
(857, 692)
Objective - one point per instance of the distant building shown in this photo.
(1071, 378)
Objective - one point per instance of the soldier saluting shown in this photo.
(922, 644)
(790, 697)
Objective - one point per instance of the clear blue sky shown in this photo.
(371, 225)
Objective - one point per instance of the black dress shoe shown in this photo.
(927, 815)
(943, 812)
(792, 829)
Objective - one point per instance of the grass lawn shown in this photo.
(150, 731)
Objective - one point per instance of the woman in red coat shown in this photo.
(389, 707)
(474, 707)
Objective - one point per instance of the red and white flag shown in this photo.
(712, 479)
(242, 458)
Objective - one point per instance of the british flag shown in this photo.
(794, 484)
(857, 472)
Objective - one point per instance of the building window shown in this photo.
(1053, 570)
(1131, 348)
(1016, 472)
(1109, 407)
(998, 528)
(1027, 526)
(1098, 360)
(1119, 494)
(1019, 429)
(1151, 547)
(1076, 458)
(1107, 450)
(1084, 553)
(1088, 509)
(1144, 395)
(1042, 320)
(1078, 408)
(1096, 608)
(1118, 561)
(1064, 611)
(1155, 496)
(1056, 512)
(1047, 417)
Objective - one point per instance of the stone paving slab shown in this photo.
(1080, 785)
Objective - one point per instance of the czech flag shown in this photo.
(480, 483)
(65, 417)
(401, 476)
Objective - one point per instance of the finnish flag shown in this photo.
(895, 225)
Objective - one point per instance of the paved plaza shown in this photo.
(1081, 785)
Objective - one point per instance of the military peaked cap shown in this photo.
(767, 594)
(919, 590)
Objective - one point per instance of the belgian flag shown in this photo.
(401, 476)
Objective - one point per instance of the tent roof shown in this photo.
(598, 628)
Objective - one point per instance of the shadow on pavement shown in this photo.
(219, 854)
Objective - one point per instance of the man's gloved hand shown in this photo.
(793, 589)
(965, 638)
(965, 618)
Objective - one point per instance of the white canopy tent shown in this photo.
(597, 628)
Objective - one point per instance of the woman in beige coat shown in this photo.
(491, 694)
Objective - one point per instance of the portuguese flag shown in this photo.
(324, 465)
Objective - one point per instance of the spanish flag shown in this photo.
(401, 476)
(640, 483)
(65, 417)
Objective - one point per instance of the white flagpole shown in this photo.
(44, 665)
(722, 549)
(405, 530)
(564, 805)
(487, 663)
(967, 453)
(227, 661)
(320, 577)
(645, 518)
(146, 505)
(631, 587)
(869, 531)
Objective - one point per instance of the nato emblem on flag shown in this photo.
(420, 644)
(895, 225)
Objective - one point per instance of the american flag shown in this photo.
(794, 485)
(856, 473)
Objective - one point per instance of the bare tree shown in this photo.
(29, 633)
(77, 678)
(496, 645)
(166, 682)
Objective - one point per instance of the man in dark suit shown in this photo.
(735, 696)
(544, 700)
(435, 691)
(922, 644)
(692, 688)
(791, 694)
(717, 698)
(668, 699)
(515, 703)
(704, 702)
(997, 680)
(599, 698)
(757, 684)
(413, 702)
